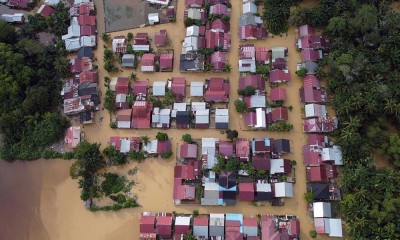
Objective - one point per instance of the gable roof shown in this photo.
(279, 75)
(225, 148)
(306, 30)
(188, 151)
(257, 81)
(166, 60)
(280, 114)
(161, 38)
(278, 94)
(185, 172)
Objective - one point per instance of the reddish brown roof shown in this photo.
(242, 148)
(220, 25)
(250, 222)
(87, 20)
(178, 87)
(88, 76)
(147, 224)
(185, 172)
(278, 75)
(278, 94)
(256, 81)
(194, 2)
(163, 146)
(188, 151)
(84, 9)
(316, 174)
(262, 54)
(124, 115)
(164, 226)
(140, 87)
(183, 192)
(161, 38)
(315, 139)
(226, 148)
(88, 30)
(47, 10)
(295, 227)
(279, 113)
(141, 39)
(141, 114)
(166, 60)
(309, 55)
(147, 59)
(311, 158)
(214, 39)
(306, 30)
(200, 221)
(122, 86)
(218, 60)
(262, 161)
(246, 191)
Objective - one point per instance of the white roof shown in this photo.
(125, 145)
(159, 88)
(203, 116)
(194, 13)
(251, 68)
(249, 8)
(263, 187)
(190, 44)
(54, 2)
(335, 227)
(81, 1)
(196, 89)
(277, 166)
(211, 186)
(257, 101)
(214, 217)
(182, 221)
(208, 146)
(221, 115)
(16, 17)
(113, 83)
(123, 124)
(278, 52)
(120, 98)
(283, 189)
(145, 48)
(261, 119)
(322, 209)
(192, 31)
(153, 18)
(315, 110)
(73, 31)
(147, 68)
(72, 44)
(161, 2)
(74, 21)
(88, 41)
(151, 147)
(332, 154)
(196, 106)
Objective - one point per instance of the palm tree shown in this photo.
(227, 67)
(145, 139)
(133, 77)
(390, 106)
(106, 37)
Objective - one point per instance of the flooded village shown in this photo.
(283, 181)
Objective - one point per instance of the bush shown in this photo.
(119, 198)
(240, 106)
(113, 125)
(166, 154)
(313, 233)
(302, 72)
(280, 127)
(187, 138)
(308, 196)
(195, 213)
(161, 136)
(113, 183)
(139, 156)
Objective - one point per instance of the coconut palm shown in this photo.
(145, 139)
(133, 77)
(106, 37)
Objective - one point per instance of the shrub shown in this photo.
(240, 106)
(187, 138)
(308, 196)
(302, 72)
(313, 233)
(113, 183)
(166, 154)
(113, 125)
(139, 156)
(195, 213)
(161, 136)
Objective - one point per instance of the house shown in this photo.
(312, 155)
(88, 41)
(257, 119)
(262, 55)
(141, 111)
(217, 39)
(128, 60)
(88, 30)
(125, 145)
(321, 173)
(330, 226)
(196, 89)
(257, 81)
(200, 227)
(218, 60)
(279, 114)
(320, 191)
(196, 106)
(13, 18)
(279, 76)
(322, 209)
(246, 191)
(208, 148)
(263, 191)
(87, 20)
(316, 139)
(161, 118)
(119, 44)
(242, 149)
(88, 90)
(45, 10)
(310, 55)
(141, 42)
(147, 227)
(315, 110)
(147, 62)
(278, 94)
(183, 119)
(225, 149)
(281, 146)
(161, 38)
(220, 26)
(234, 226)
(249, 19)
(74, 31)
(72, 44)
(261, 149)
(194, 3)
(306, 30)
(279, 52)
(249, 8)
(283, 189)
(178, 87)
(314, 42)
(211, 192)
(221, 118)
(249, 32)
(196, 13)
(332, 155)
(312, 91)
(73, 137)
(310, 66)
(217, 225)
(124, 118)
(140, 88)
(268, 228)
(88, 76)
(182, 226)
(219, 9)
(166, 62)
(85, 52)
(280, 166)
(184, 172)
(19, 3)
(159, 2)
(218, 90)
(250, 227)
(164, 226)
(52, 2)
(255, 101)
(193, 43)
(227, 185)
(163, 146)
(247, 58)
(188, 151)
(202, 118)
(319, 125)
(193, 30)
(153, 18)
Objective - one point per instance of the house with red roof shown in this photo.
(312, 92)
(88, 30)
(119, 44)
(317, 173)
(306, 30)
(88, 76)
(141, 112)
(280, 166)
(178, 87)
(250, 228)
(194, 3)
(126, 144)
(242, 149)
(257, 119)
(217, 91)
(316, 139)
(84, 9)
(312, 55)
(314, 42)
(257, 81)
(278, 94)
(45, 10)
(182, 226)
(87, 20)
(76, 65)
(218, 60)
(182, 192)
(319, 125)
(249, 32)
(279, 114)
(218, 39)
(140, 89)
(147, 227)
(212, 2)
(163, 146)
(124, 118)
(219, 9)
(164, 226)
(247, 58)
(246, 191)
(220, 26)
(261, 148)
(122, 90)
(200, 227)
(262, 55)
(73, 137)
(147, 62)
(279, 76)
(312, 155)
(184, 172)
(18, 3)
(161, 38)
(166, 62)
(141, 39)
(225, 149)
(188, 151)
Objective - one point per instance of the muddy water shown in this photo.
(39, 201)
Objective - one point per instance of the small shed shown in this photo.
(196, 89)
(322, 209)
(153, 18)
(221, 118)
(283, 189)
(128, 60)
(159, 88)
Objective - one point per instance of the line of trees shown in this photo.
(364, 81)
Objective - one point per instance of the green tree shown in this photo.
(392, 148)
(232, 165)
(166, 154)
(162, 136)
(7, 33)
(129, 37)
(249, 91)
(231, 134)
(106, 37)
(240, 106)
(313, 234)
(133, 76)
(145, 139)
(227, 67)
(189, 236)
(302, 72)
(114, 156)
(109, 101)
(187, 138)
(308, 196)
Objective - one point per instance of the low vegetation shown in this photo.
(280, 127)
(187, 138)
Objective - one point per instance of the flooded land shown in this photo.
(39, 200)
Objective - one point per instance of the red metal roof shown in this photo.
(220, 9)
(314, 41)
(242, 148)
(262, 161)
(124, 115)
(166, 60)
(246, 191)
(147, 59)
(220, 25)
(309, 55)
(88, 30)
(178, 86)
(140, 87)
(218, 60)
(256, 81)
(122, 86)
(164, 226)
(200, 221)
(181, 229)
(262, 54)
(76, 65)
(250, 222)
(278, 94)
(84, 9)
(250, 118)
(247, 51)
(278, 75)
(252, 32)
(86, 20)
(188, 151)
(226, 148)
(194, 2)
(161, 38)
(311, 81)
(47, 10)
(214, 39)
(306, 30)
(315, 139)
(319, 224)
(316, 174)
(163, 146)
(147, 224)
(280, 113)
(312, 95)
(185, 172)
(141, 39)
(311, 158)
(88, 76)
(183, 192)
(295, 227)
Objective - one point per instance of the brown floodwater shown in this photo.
(38, 200)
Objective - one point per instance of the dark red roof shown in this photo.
(164, 226)
(278, 75)
(218, 60)
(250, 118)
(147, 59)
(312, 95)
(306, 30)
(316, 42)
(84, 9)
(309, 55)
(246, 191)
(311, 81)
(200, 221)
(214, 39)
(141, 39)
(262, 161)
(166, 60)
(311, 158)
(316, 174)
(242, 148)
(163, 146)
(88, 76)
(262, 54)
(183, 192)
(116, 142)
(88, 30)
(295, 227)
(252, 32)
(141, 114)
(219, 9)
(188, 151)
(147, 224)
(220, 25)
(87, 20)
(161, 38)
(226, 148)
(256, 81)
(280, 113)
(279, 63)
(47, 10)
(278, 94)
(124, 115)
(218, 90)
(140, 87)
(194, 2)
(250, 222)
(315, 139)
(122, 86)
(185, 172)
(181, 229)
(76, 65)
(178, 87)
(19, 3)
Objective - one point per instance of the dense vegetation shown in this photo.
(276, 15)
(364, 79)
(30, 79)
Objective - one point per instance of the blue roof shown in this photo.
(235, 217)
(232, 189)
(267, 142)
